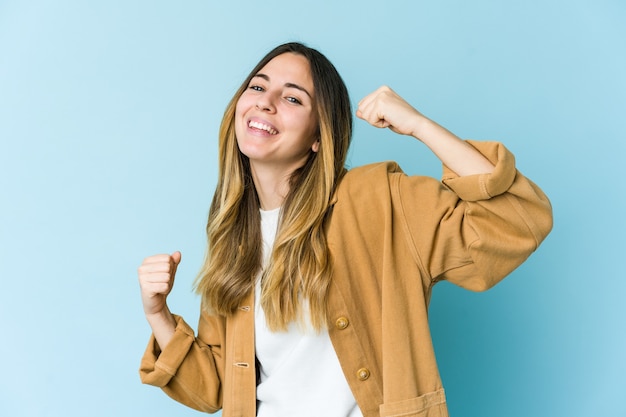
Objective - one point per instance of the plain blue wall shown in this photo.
(108, 121)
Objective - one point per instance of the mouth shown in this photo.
(262, 126)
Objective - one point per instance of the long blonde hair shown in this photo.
(300, 265)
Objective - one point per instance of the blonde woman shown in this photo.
(317, 280)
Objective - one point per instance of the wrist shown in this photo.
(422, 125)
(161, 317)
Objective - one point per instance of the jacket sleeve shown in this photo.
(474, 230)
(189, 369)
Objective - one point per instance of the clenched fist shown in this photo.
(385, 108)
(156, 278)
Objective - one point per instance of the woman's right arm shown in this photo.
(156, 279)
(186, 367)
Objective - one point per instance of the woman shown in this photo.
(316, 283)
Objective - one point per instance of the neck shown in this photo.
(272, 185)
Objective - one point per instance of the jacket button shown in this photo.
(342, 322)
(363, 374)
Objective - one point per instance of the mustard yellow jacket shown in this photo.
(391, 237)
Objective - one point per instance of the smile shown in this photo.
(262, 126)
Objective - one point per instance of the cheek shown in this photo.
(239, 107)
(239, 115)
(244, 103)
(314, 125)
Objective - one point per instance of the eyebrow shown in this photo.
(289, 85)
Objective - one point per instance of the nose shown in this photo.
(265, 103)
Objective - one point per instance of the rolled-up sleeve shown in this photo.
(475, 230)
(159, 367)
(484, 186)
(189, 369)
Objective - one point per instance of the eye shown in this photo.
(256, 88)
(293, 100)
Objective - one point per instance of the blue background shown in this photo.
(108, 119)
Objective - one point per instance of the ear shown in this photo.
(316, 146)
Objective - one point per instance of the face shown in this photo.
(275, 120)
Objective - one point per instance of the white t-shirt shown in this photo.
(300, 372)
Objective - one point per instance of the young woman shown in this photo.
(317, 280)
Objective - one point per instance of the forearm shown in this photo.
(453, 152)
(385, 109)
(190, 369)
(163, 325)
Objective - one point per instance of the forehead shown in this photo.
(289, 68)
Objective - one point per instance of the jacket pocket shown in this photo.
(432, 404)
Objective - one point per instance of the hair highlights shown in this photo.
(300, 266)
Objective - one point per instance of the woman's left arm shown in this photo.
(384, 108)
(483, 221)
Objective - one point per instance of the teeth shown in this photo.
(261, 126)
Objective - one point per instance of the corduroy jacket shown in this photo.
(391, 238)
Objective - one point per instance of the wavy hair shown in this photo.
(300, 265)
